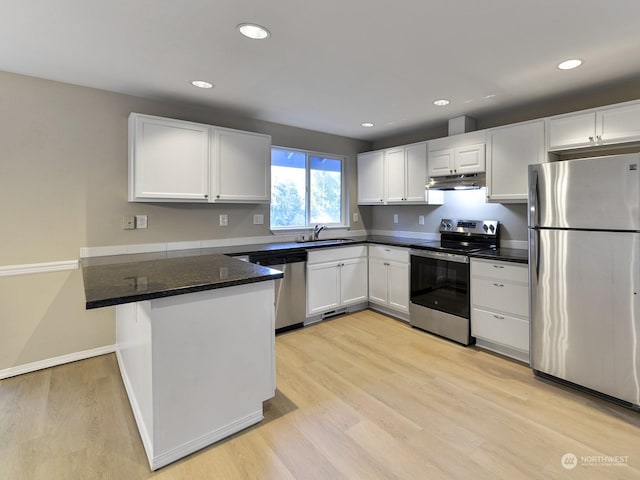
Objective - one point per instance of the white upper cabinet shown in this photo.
(509, 152)
(177, 161)
(242, 167)
(371, 178)
(572, 131)
(597, 127)
(457, 154)
(168, 160)
(395, 175)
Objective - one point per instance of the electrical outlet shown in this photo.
(258, 219)
(395, 218)
(356, 218)
(224, 220)
(421, 219)
(128, 222)
(141, 221)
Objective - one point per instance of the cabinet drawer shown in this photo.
(506, 297)
(510, 272)
(336, 253)
(503, 329)
(394, 254)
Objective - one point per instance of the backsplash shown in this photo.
(466, 204)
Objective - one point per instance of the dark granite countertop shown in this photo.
(515, 255)
(121, 279)
(117, 279)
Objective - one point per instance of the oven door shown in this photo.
(440, 281)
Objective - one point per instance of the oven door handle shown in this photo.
(447, 257)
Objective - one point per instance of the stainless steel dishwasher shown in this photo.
(290, 291)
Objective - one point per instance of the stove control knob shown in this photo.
(492, 228)
(485, 228)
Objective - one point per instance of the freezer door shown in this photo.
(601, 193)
(585, 309)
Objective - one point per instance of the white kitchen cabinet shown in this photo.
(389, 279)
(242, 164)
(396, 175)
(457, 161)
(371, 178)
(596, 127)
(500, 307)
(509, 152)
(177, 161)
(168, 160)
(336, 278)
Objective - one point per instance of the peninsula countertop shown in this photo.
(121, 279)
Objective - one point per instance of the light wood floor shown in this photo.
(359, 397)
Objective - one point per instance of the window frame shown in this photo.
(344, 199)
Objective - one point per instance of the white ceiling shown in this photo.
(331, 64)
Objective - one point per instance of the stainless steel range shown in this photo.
(440, 297)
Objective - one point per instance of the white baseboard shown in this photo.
(55, 361)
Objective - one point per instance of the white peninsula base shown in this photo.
(198, 366)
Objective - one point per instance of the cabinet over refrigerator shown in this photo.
(584, 267)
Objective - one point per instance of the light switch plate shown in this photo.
(395, 218)
(141, 221)
(129, 222)
(356, 218)
(421, 219)
(224, 220)
(258, 219)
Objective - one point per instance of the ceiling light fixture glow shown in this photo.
(201, 84)
(253, 31)
(367, 124)
(441, 103)
(569, 64)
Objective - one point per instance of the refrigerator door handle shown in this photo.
(534, 196)
(534, 248)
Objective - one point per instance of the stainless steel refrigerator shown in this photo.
(584, 269)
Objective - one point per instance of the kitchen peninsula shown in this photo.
(194, 343)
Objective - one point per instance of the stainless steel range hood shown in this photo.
(471, 181)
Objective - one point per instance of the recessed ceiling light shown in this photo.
(569, 64)
(493, 95)
(253, 31)
(442, 102)
(367, 124)
(201, 84)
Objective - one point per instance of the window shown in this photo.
(307, 188)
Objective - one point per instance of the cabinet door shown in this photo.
(572, 131)
(323, 287)
(371, 178)
(395, 175)
(378, 281)
(511, 150)
(353, 281)
(416, 172)
(168, 160)
(243, 167)
(398, 281)
(441, 162)
(469, 159)
(618, 125)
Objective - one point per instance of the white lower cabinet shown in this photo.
(500, 307)
(389, 279)
(336, 278)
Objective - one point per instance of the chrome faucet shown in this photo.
(316, 231)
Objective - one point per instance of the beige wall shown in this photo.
(63, 186)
